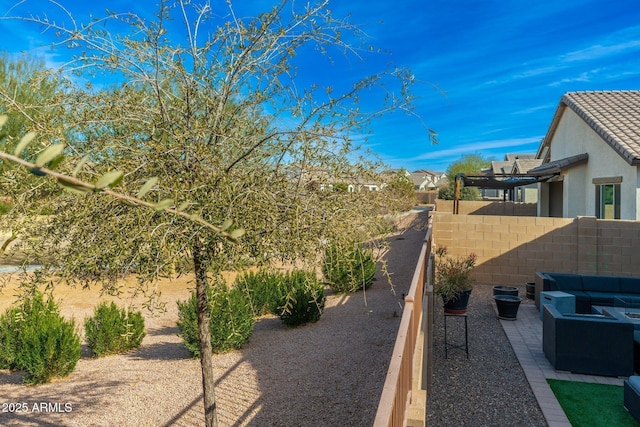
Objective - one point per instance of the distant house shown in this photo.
(498, 167)
(425, 179)
(521, 166)
(320, 178)
(591, 154)
(513, 164)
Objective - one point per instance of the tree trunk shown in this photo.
(206, 359)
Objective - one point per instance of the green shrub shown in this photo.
(296, 297)
(348, 269)
(8, 336)
(35, 338)
(260, 289)
(300, 298)
(231, 320)
(5, 207)
(113, 330)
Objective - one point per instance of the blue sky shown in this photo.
(490, 72)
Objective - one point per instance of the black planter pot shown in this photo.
(505, 290)
(459, 304)
(507, 306)
(531, 290)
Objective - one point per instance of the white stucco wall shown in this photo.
(574, 136)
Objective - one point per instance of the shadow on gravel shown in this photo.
(161, 351)
(171, 348)
(46, 405)
(9, 377)
(165, 330)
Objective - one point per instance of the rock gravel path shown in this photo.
(487, 389)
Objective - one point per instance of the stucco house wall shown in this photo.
(574, 136)
(602, 129)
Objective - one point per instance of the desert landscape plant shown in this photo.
(300, 298)
(260, 288)
(113, 330)
(35, 338)
(230, 320)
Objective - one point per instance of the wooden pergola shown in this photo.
(543, 173)
(501, 182)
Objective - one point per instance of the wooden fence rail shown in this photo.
(403, 399)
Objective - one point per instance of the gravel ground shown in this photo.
(329, 373)
(489, 388)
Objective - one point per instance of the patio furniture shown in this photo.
(589, 290)
(632, 396)
(562, 301)
(592, 344)
(462, 346)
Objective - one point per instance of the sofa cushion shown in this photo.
(629, 285)
(578, 294)
(600, 283)
(601, 298)
(566, 281)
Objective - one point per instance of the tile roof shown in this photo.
(501, 167)
(523, 165)
(558, 166)
(513, 157)
(614, 115)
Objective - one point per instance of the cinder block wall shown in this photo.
(511, 249)
(469, 207)
(427, 197)
(617, 250)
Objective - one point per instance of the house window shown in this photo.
(608, 201)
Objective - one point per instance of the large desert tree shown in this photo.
(210, 104)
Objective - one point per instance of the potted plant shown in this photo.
(453, 281)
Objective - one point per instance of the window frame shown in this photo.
(601, 184)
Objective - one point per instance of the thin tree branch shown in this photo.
(66, 180)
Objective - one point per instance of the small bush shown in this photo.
(231, 320)
(8, 336)
(5, 207)
(348, 269)
(260, 289)
(301, 298)
(113, 330)
(35, 338)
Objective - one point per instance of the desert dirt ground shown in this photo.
(326, 373)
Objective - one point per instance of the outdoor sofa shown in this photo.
(632, 396)
(590, 344)
(589, 290)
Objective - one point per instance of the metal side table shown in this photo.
(465, 345)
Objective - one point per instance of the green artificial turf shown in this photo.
(589, 404)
